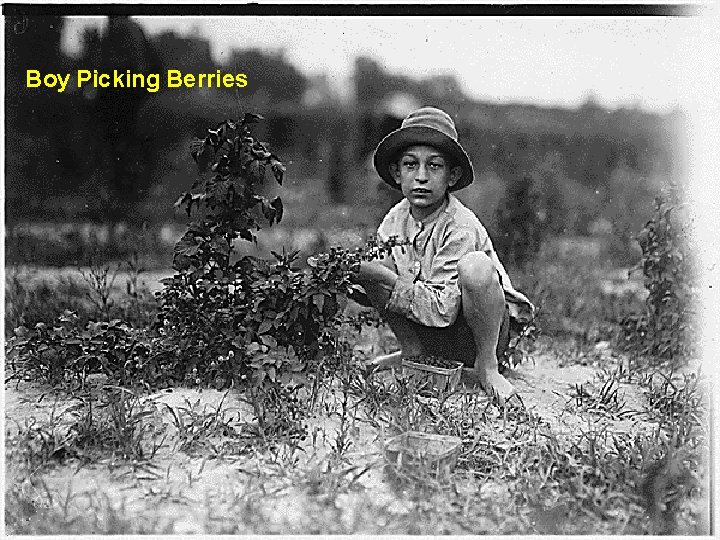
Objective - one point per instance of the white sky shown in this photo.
(543, 60)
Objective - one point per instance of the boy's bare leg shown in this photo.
(379, 281)
(483, 304)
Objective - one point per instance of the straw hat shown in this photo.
(428, 126)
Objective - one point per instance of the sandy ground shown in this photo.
(180, 491)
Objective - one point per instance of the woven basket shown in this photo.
(419, 456)
(431, 380)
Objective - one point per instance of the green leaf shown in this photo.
(220, 245)
(182, 199)
(319, 301)
(246, 235)
(195, 148)
(278, 169)
(204, 157)
(223, 191)
(268, 340)
(186, 248)
(267, 210)
(251, 118)
(265, 326)
(278, 206)
(259, 377)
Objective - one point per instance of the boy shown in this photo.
(447, 294)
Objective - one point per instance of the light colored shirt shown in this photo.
(427, 290)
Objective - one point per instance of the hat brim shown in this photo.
(401, 138)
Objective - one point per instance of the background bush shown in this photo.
(667, 329)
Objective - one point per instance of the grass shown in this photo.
(28, 305)
(600, 464)
(93, 293)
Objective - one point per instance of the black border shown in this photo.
(675, 10)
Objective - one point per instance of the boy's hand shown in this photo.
(361, 270)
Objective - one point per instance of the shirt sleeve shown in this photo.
(435, 300)
(388, 228)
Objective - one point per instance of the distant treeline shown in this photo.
(106, 155)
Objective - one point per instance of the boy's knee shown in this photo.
(476, 269)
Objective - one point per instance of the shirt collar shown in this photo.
(432, 217)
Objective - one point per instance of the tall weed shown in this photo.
(666, 329)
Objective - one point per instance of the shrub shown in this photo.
(249, 322)
(665, 330)
(255, 320)
(246, 320)
(65, 352)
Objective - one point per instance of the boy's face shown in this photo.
(424, 176)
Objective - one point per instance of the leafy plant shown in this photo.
(100, 278)
(64, 353)
(249, 321)
(140, 306)
(665, 330)
(196, 427)
(678, 405)
(522, 338)
(602, 400)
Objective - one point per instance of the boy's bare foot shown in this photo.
(495, 385)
